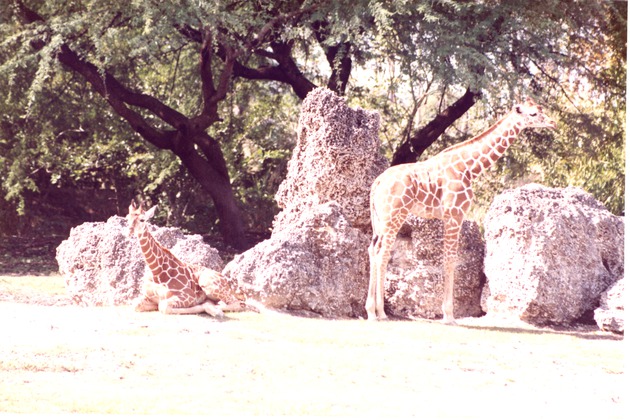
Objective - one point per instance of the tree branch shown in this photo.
(205, 70)
(338, 57)
(415, 145)
(118, 96)
(287, 71)
(269, 26)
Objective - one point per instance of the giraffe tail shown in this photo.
(374, 219)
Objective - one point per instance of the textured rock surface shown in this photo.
(102, 265)
(610, 314)
(336, 157)
(415, 282)
(550, 254)
(316, 258)
(318, 264)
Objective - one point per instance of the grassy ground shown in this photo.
(60, 358)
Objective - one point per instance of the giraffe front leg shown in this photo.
(213, 310)
(144, 304)
(149, 296)
(370, 302)
(452, 227)
(173, 306)
(379, 252)
(447, 303)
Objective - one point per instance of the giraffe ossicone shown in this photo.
(174, 287)
(441, 188)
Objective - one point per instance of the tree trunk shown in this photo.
(211, 172)
(206, 162)
(230, 218)
(198, 152)
(414, 146)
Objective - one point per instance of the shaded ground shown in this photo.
(28, 256)
(56, 357)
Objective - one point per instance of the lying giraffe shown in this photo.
(441, 188)
(174, 287)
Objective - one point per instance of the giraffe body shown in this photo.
(172, 286)
(441, 188)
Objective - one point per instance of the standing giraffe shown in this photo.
(172, 286)
(441, 188)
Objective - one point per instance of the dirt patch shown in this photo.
(69, 359)
(56, 357)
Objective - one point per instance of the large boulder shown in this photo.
(550, 254)
(415, 280)
(318, 264)
(316, 259)
(610, 314)
(336, 157)
(103, 265)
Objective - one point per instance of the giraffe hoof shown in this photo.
(374, 318)
(449, 321)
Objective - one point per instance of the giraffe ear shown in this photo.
(150, 213)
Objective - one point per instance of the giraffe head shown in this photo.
(532, 115)
(137, 217)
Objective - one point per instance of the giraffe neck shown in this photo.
(154, 253)
(482, 151)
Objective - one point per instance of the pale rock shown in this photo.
(610, 314)
(102, 265)
(415, 280)
(550, 254)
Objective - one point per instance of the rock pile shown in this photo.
(610, 314)
(550, 254)
(316, 258)
(317, 265)
(336, 158)
(415, 280)
(103, 265)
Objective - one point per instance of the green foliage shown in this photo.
(259, 134)
(410, 59)
(570, 56)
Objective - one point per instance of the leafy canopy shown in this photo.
(408, 59)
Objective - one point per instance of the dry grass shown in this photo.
(40, 289)
(68, 359)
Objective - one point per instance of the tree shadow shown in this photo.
(583, 332)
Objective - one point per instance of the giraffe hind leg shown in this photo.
(447, 303)
(370, 303)
(379, 251)
(452, 228)
(212, 309)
